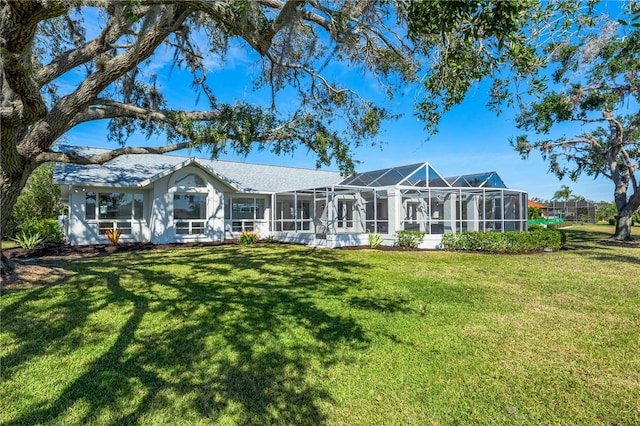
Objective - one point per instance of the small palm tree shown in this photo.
(563, 194)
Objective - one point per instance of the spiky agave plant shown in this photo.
(113, 235)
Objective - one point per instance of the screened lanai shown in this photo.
(413, 197)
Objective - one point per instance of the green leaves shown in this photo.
(474, 40)
(40, 199)
(505, 242)
(599, 90)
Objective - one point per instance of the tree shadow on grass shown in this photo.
(599, 246)
(47, 328)
(214, 333)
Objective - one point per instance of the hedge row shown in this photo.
(505, 242)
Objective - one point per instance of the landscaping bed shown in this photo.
(66, 250)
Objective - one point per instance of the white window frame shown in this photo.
(126, 225)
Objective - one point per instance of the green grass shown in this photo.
(7, 244)
(275, 334)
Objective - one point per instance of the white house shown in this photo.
(167, 198)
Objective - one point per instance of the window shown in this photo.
(114, 209)
(411, 210)
(90, 205)
(189, 227)
(376, 213)
(411, 215)
(304, 214)
(189, 206)
(345, 213)
(190, 180)
(243, 212)
(138, 206)
(189, 213)
(115, 205)
(243, 208)
(292, 214)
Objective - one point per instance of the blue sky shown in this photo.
(471, 139)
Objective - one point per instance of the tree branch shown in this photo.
(615, 128)
(56, 123)
(287, 13)
(630, 168)
(111, 109)
(74, 158)
(18, 24)
(314, 75)
(305, 14)
(72, 58)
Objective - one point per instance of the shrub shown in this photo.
(39, 199)
(505, 242)
(271, 239)
(534, 212)
(248, 237)
(612, 221)
(113, 235)
(49, 229)
(374, 240)
(409, 239)
(556, 225)
(28, 241)
(535, 226)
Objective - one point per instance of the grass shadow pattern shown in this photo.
(275, 334)
(230, 333)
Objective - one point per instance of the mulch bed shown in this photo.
(37, 267)
(65, 250)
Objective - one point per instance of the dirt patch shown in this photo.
(29, 275)
(38, 267)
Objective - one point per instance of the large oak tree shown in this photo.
(598, 73)
(442, 46)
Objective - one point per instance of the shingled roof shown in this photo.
(140, 170)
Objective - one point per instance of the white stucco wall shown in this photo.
(84, 231)
(157, 225)
(162, 224)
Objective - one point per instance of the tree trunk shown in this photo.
(624, 220)
(14, 172)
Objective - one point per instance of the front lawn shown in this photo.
(279, 334)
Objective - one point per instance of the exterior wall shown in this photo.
(162, 202)
(82, 231)
(346, 240)
(331, 240)
(296, 237)
(163, 225)
(431, 242)
(157, 224)
(395, 210)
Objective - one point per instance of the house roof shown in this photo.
(477, 180)
(531, 203)
(416, 175)
(423, 175)
(139, 170)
